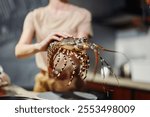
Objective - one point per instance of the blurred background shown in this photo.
(121, 25)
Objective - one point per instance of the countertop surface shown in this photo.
(124, 82)
(14, 90)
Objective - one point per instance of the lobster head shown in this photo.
(75, 44)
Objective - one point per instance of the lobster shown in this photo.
(76, 47)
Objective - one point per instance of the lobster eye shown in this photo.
(84, 39)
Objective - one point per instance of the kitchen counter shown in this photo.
(14, 90)
(121, 89)
(123, 82)
(132, 87)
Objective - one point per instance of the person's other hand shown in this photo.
(4, 78)
(43, 45)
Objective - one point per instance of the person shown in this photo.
(56, 21)
(4, 78)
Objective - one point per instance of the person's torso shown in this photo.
(47, 21)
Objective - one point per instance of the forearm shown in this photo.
(26, 50)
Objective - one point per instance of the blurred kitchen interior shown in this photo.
(121, 25)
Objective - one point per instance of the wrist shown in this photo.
(37, 47)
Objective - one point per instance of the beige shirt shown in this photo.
(71, 21)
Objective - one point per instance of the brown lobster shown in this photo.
(76, 47)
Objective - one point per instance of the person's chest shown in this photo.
(63, 22)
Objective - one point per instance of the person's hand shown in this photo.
(43, 45)
(4, 78)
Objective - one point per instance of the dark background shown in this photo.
(12, 13)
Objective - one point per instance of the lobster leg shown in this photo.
(96, 62)
(64, 65)
(85, 66)
(109, 67)
(102, 67)
(102, 71)
(95, 49)
(103, 61)
(55, 65)
(81, 58)
(74, 68)
(50, 55)
(58, 52)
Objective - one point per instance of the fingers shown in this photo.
(1, 69)
(56, 38)
(3, 80)
(63, 35)
(59, 36)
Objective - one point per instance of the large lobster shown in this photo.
(75, 47)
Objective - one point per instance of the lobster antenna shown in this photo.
(108, 50)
